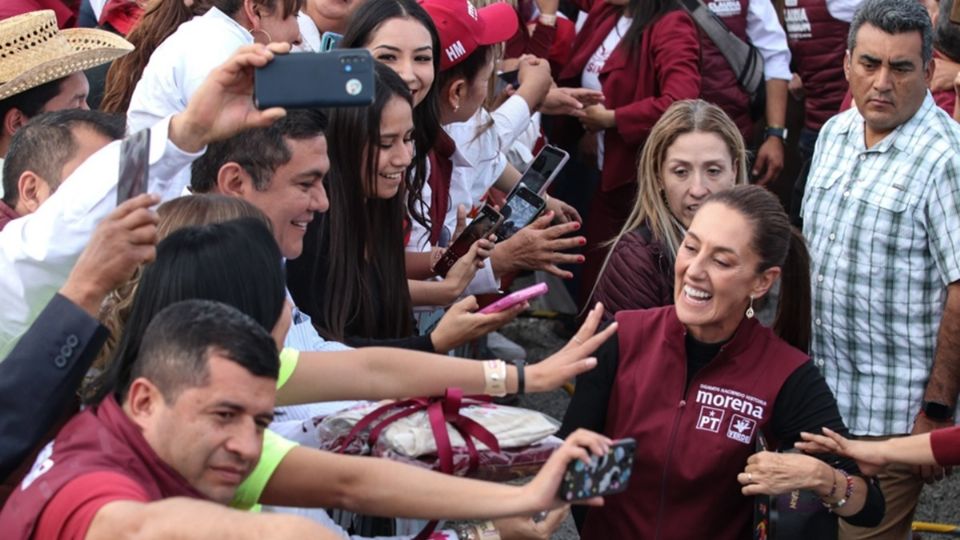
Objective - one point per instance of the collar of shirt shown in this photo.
(902, 138)
(216, 14)
(309, 34)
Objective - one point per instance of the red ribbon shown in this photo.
(440, 411)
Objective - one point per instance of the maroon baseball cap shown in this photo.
(463, 28)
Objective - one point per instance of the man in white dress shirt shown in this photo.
(38, 251)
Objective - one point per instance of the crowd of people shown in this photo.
(759, 223)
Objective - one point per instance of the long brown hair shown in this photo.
(350, 278)
(777, 243)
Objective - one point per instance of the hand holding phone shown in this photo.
(521, 208)
(339, 78)
(483, 225)
(606, 475)
(518, 297)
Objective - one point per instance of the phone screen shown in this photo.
(543, 168)
(522, 207)
(134, 166)
(478, 228)
(482, 226)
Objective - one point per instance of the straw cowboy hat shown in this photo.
(33, 51)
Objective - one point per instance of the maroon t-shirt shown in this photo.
(71, 511)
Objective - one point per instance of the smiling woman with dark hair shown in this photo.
(699, 383)
(351, 278)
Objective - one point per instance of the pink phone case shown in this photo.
(520, 296)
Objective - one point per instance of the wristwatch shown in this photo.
(776, 131)
(940, 412)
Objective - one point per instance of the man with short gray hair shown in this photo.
(881, 215)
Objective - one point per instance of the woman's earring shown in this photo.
(750, 312)
(456, 107)
(255, 30)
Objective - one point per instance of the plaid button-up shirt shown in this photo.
(883, 228)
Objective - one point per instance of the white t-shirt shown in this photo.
(591, 73)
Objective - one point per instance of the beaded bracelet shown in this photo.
(848, 492)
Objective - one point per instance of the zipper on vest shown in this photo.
(666, 466)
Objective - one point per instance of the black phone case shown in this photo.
(339, 78)
(606, 475)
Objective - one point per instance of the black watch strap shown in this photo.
(778, 132)
(936, 411)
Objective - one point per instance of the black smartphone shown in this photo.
(606, 474)
(510, 77)
(522, 207)
(134, 166)
(482, 226)
(340, 78)
(544, 169)
(330, 41)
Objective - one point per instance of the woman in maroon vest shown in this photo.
(697, 385)
(695, 149)
(643, 55)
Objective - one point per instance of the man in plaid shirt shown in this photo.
(882, 219)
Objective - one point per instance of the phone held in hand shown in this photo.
(330, 41)
(339, 78)
(134, 166)
(505, 79)
(543, 170)
(482, 226)
(606, 475)
(518, 297)
(521, 208)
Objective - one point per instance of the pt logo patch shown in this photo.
(710, 419)
(741, 429)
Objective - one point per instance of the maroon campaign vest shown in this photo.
(690, 445)
(719, 82)
(818, 43)
(96, 440)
